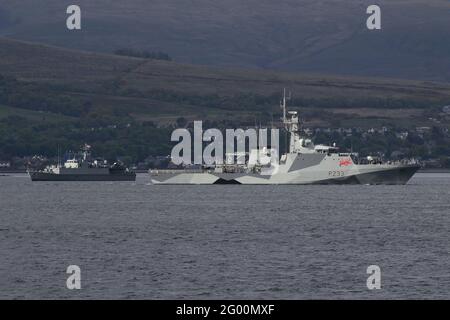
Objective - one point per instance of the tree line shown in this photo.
(158, 55)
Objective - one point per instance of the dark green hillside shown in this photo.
(111, 77)
(128, 106)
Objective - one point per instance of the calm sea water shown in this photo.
(136, 240)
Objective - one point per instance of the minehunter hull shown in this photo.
(299, 169)
(44, 176)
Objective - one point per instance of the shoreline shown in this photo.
(431, 170)
(425, 170)
(15, 171)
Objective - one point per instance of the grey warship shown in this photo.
(84, 169)
(304, 163)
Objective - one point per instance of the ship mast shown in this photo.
(291, 124)
(59, 157)
(283, 105)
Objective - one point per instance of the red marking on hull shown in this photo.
(345, 163)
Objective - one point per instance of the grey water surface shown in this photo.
(137, 240)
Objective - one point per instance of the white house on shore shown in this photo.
(4, 165)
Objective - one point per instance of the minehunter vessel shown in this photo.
(305, 163)
(85, 169)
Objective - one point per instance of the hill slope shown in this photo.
(161, 88)
(127, 106)
(151, 89)
(327, 36)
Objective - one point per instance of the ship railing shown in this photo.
(364, 161)
(174, 171)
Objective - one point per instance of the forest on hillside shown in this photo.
(39, 119)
